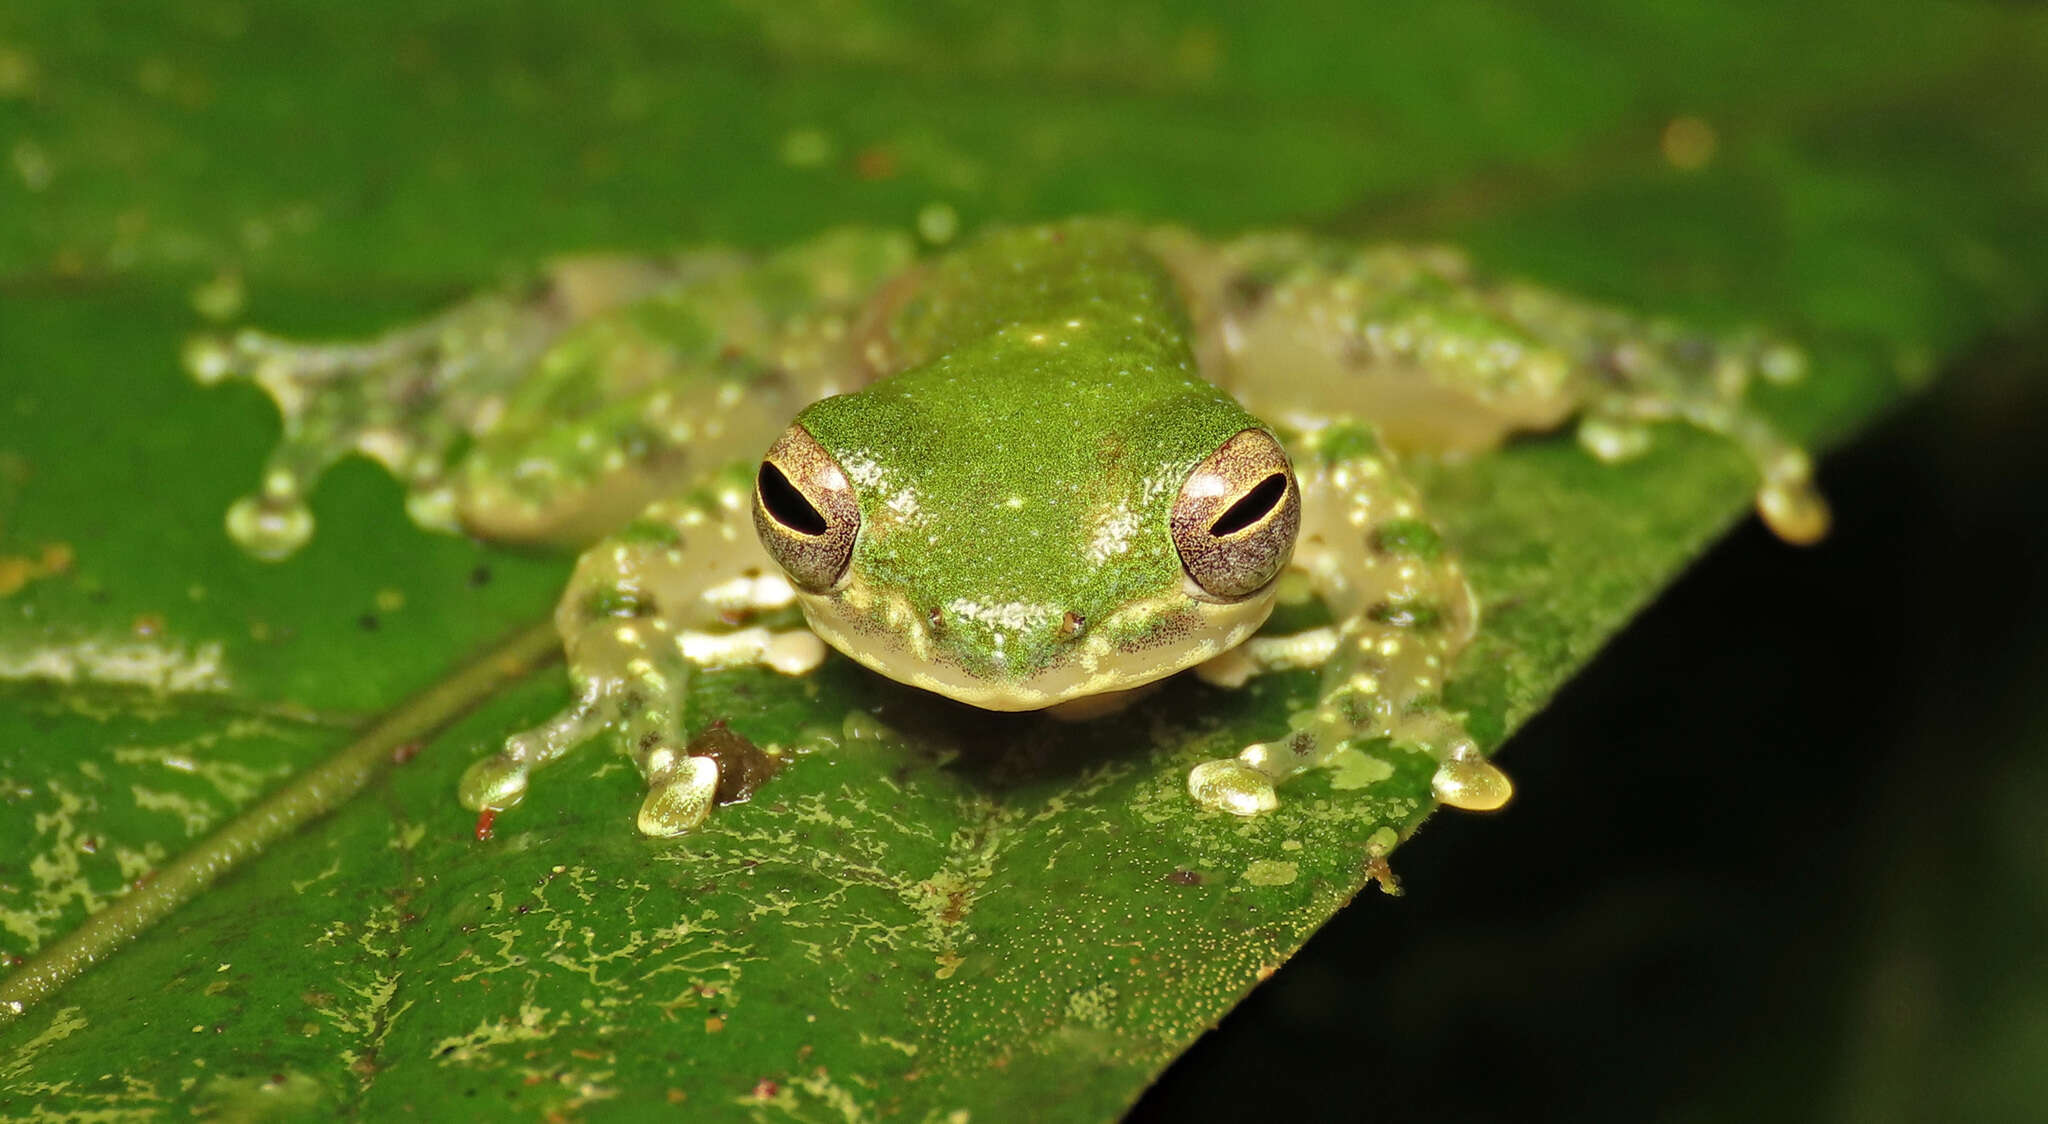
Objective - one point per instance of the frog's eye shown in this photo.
(1235, 520)
(805, 510)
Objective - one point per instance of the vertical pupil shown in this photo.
(786, 505)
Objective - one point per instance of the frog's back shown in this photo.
(1071, 326)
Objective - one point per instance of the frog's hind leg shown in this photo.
(1402, 612)
(554, 411)
(645, 610)
(698, 373)
(1443, 358)
(405, 399)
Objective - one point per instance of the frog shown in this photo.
(1043, 469)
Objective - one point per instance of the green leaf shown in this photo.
(954, 911)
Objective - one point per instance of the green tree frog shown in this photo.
(1041, 470)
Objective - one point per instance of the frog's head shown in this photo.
(949, 530)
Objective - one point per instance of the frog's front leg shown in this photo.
(646, 609)
(1402, 612)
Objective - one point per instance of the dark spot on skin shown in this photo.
(615, 602)
(480, 577)
(1071, 625)
(404, 752)
(935, 619)
(742, 767)
(1247, 291)
(1612, 366)
(649, 740)
(367, 622)
(1182, 877)
(1696, 350)
(415, 393)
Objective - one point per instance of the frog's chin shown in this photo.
(1091, 664)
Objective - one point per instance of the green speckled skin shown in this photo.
(1029, 469)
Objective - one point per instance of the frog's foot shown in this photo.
(499, 781)
(1379, 683)
(635, 682)
(635, 626)
(1245, 785)
(1661, 373)
(679, 797)
(408, 399)
(1465, 779)
(643, 707)
(1230, 784)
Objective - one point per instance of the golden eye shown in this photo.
(805, 510)
(1236, 517)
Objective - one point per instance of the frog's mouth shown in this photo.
(886, 635)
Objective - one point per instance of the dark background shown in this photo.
(1778, 854)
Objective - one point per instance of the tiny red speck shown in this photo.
(484, 821)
